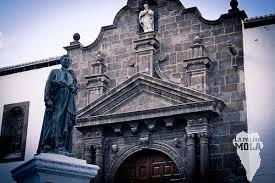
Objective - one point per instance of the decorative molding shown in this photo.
(151, 124)
(115, 149)
(204, 137)
(190, 139)
(142, 82)
(117, 128)
(158, 146)
(196, 107)
(161, 58)
(144, 142)
(197, 126)
(169, 122)
(178, 143)
(134, 126)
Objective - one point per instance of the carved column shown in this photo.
(191, 158)
(99, 160)
(94, 150)
(97, 80)
(204, 157)
(146, 52)
(198, 124)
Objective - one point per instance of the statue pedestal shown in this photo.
(54, 168)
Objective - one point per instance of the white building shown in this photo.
(259, 62)
(22, 91)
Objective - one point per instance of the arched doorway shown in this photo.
(147, 166)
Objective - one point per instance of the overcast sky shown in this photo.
(36, 29)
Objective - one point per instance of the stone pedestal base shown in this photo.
(54, 168)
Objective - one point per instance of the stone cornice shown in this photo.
(144, 83)
(214, 107)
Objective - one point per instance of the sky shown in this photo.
(37, 29)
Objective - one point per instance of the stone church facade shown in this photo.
(165, 105)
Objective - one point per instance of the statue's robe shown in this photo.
(146, 19)
(61, 88)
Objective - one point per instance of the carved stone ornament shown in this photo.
(162, 58)
(114, 149)
(234, 52)
(134, 127)
(232, 48)
(204, 137)
(118, 129)
(197, 39)
(144, 141)
(191, 139)
(150, 124)
(169, 122)
(99, 56)
(178, 143)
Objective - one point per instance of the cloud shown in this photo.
(1, 40)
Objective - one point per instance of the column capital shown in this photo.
(190, 139)
(204, 137)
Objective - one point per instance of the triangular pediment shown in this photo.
(143, 93)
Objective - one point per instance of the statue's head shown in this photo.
(146, 7)
(66, 61)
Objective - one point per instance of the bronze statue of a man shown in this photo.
(60, 114)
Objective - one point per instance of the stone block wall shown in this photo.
(175, 32)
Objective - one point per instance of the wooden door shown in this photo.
(147, 166)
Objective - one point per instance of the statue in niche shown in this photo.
(146, 19)
(60, 114)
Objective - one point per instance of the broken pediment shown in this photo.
(144, 93)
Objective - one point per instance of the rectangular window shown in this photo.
(14, 132)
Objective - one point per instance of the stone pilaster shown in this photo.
(197, 66)
(97, 80)
(191, 158)
(94, 150)
(89, 154)
(204, 156)
(200, 127)
(99, 155)
(146, 52)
